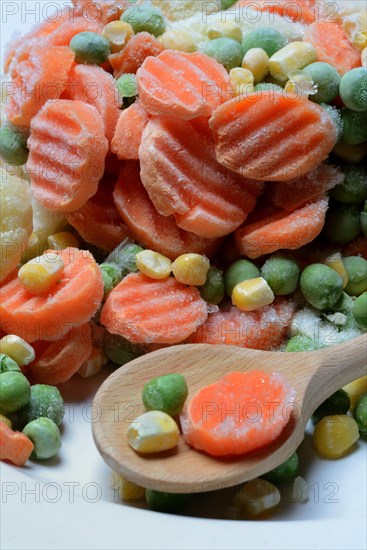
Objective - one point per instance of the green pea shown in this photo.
(45, 436)
(13, 146)
(124, 257)
(166, 502)
(111, 275)
(225, 4)
(357, 275)
(353, 89)
(338, 403)
(360, 414)
(300, 342)
(342, 223)
(344, 304)
(321, 286)
(353, 190)
(127, 85)
(227, 51)
(266, 38)
(267, 87)
(363, 220)
(239, 271)
(15, 391)
(355, 127)
(327, 79)
(281, 274)
(120, 351)
(90, 48)
(360, 310)
(336, 118)
(213, 289)
(165, 393)
(285, 472)
(45, 401)
(145, 18)
(8, 364)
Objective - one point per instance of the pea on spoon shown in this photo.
(314, 375)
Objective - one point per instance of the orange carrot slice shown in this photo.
(14, 446)
(356, 247)
(99, 10)
(63, 34)
(129, 131)
(332, 45)
(264, 329)
(296, 10)
(38, 75)
(133, 55)
(98, 221)
(180, 171)
(94, 86)
(56, 362)
(149, 227)
(276, 138)
(186, 85)
(240, 413)
(284, 230)
(67, 150)
(71, 302)
(292, 194)
(148, 310)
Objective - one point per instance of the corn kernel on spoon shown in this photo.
(314, 375)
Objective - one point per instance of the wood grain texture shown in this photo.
(314, 375)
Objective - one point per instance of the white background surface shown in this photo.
(69, 503)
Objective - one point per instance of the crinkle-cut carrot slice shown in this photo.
(186, 85)
(98, 221)
(96, 87)
(67, 30)
(39, 75)
(297, 10)
(149, 310)
(292, 194)
(242, 412)
(56, 362)
(183, 178)
(71, 302)
(102, 11)
(332, 45)
(264, 329)
(14, 446)
(129, 131)
(284, 230)
(150, 228)
(275, 138)
(133, 55)
(67, 150)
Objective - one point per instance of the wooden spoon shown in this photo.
(314, 375)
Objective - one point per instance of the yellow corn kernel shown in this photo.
(118, 33)
(355, 390)
(6, 421)
(364, 57)
(180, 40)
(41, 273)
(242, 81)
(153, 432)
(228, 29)
(60, 241)
(256, 60)
(335, 435)
(300, 83)
(191, 269)
(93, 364)
(153, 264)
(252, 294)
(352, 154)
(256, 498)
(295, 55)
(336, 263)
(18, 349)
(127, 490)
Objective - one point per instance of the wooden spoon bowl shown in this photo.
(314, 375)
